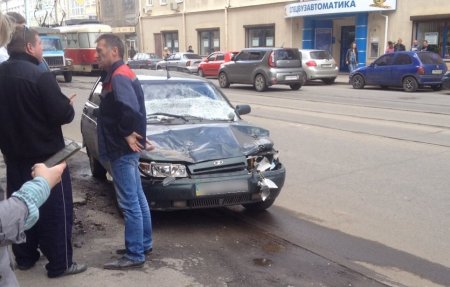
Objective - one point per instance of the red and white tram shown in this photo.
(80, 44)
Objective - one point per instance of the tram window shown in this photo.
(84, 40)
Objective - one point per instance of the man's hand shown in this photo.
(52, 175)
(71, 98)
(148, 145)
(133, 142)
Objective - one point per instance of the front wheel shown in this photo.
(259, 206)
(260, 83)
(358, 82)
(410, 84)
(67, 77)
(223, 80)
(295, 87)
(97, 170)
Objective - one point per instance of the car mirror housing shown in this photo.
(243, 109)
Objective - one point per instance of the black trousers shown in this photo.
(52, 234)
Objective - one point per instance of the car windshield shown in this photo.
(199, 100)
(320, 55)
(51, 44)
(429, 58)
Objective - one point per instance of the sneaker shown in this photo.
(123, 263)
(124, 251)
(24, 267)
(73, 269)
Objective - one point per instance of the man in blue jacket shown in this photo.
(32, 110)
(121, 128)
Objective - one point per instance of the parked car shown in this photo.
(319, 65)
(183, 62)
(264, 67)
(210, 66)
(144, 61)
(205, 155)
(410, 70)
(446, 81)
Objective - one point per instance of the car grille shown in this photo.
(223, 168)
(54, 61)
(223, 201)
(219, 166)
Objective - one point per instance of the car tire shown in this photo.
(158, 67)
(223, 80)
(200, 73)
(358, 82)
(260, 83)
(384, 87)
(329, 81)
(67, 77)
(295, 87)
(436, 87)
(410, 84)
(259, 206)
(97, 170)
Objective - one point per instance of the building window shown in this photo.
(149, 2)
(260, 36)
(162, 2)
(209, 41)
(171, 41)
(437, 33)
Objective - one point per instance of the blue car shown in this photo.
(410, 70)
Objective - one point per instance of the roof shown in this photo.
(144, 74)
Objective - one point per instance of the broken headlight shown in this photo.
(163, 169)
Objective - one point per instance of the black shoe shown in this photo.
(73, 269)
(123, 263)
(124, 251)
(24, 267)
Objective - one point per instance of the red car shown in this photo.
(210, 66)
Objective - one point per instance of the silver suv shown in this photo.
(264, 67)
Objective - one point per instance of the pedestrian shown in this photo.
(351, 57)
(32, 110)
(190, 50)
(415, 45)
(166, 53)
(399, 45)
(121, 135)
(425, 46)
(21, 211)
(8, 24)
(132, 52)
(390, 47)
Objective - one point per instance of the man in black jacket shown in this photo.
(32, 110)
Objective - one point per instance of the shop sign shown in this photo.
(432, 37)
(320, 7)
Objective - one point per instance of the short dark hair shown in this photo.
(112, 41)
(21, 37)
(17, 18)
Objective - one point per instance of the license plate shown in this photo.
(326, 65)
(289, 78)
(213, 188)
(436, 72)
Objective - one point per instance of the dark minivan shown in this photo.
(410, 70)
(264, 67)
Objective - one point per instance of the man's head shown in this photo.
(26, 40)
(399, 40)
(425, 43)
(415, 43)
(110, 49)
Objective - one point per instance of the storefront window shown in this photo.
(260, 36)
(171, 41)
(209, 41)
(436, 33)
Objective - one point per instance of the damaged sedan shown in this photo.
(205, 155)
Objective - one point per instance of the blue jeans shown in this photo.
(132, 201)
(352, 67)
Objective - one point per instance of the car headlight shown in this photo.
(69, 62)
(163, 169)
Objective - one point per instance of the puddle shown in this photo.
(263, 262)
(273, 247)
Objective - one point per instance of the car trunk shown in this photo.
(287, 58)
(433, 64)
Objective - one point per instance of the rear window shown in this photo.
(320, 55)
(286, 54)
(192, 56)
(429, 58)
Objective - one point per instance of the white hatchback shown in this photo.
(319, 65)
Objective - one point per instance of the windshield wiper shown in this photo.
(149, 116)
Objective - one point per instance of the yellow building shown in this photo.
(209, 25)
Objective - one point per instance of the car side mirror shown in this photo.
(243, 109)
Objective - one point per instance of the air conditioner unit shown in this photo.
(147, 9)
(173, 6)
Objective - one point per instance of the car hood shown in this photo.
(203, 142)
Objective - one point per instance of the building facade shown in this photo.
(210, 25)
